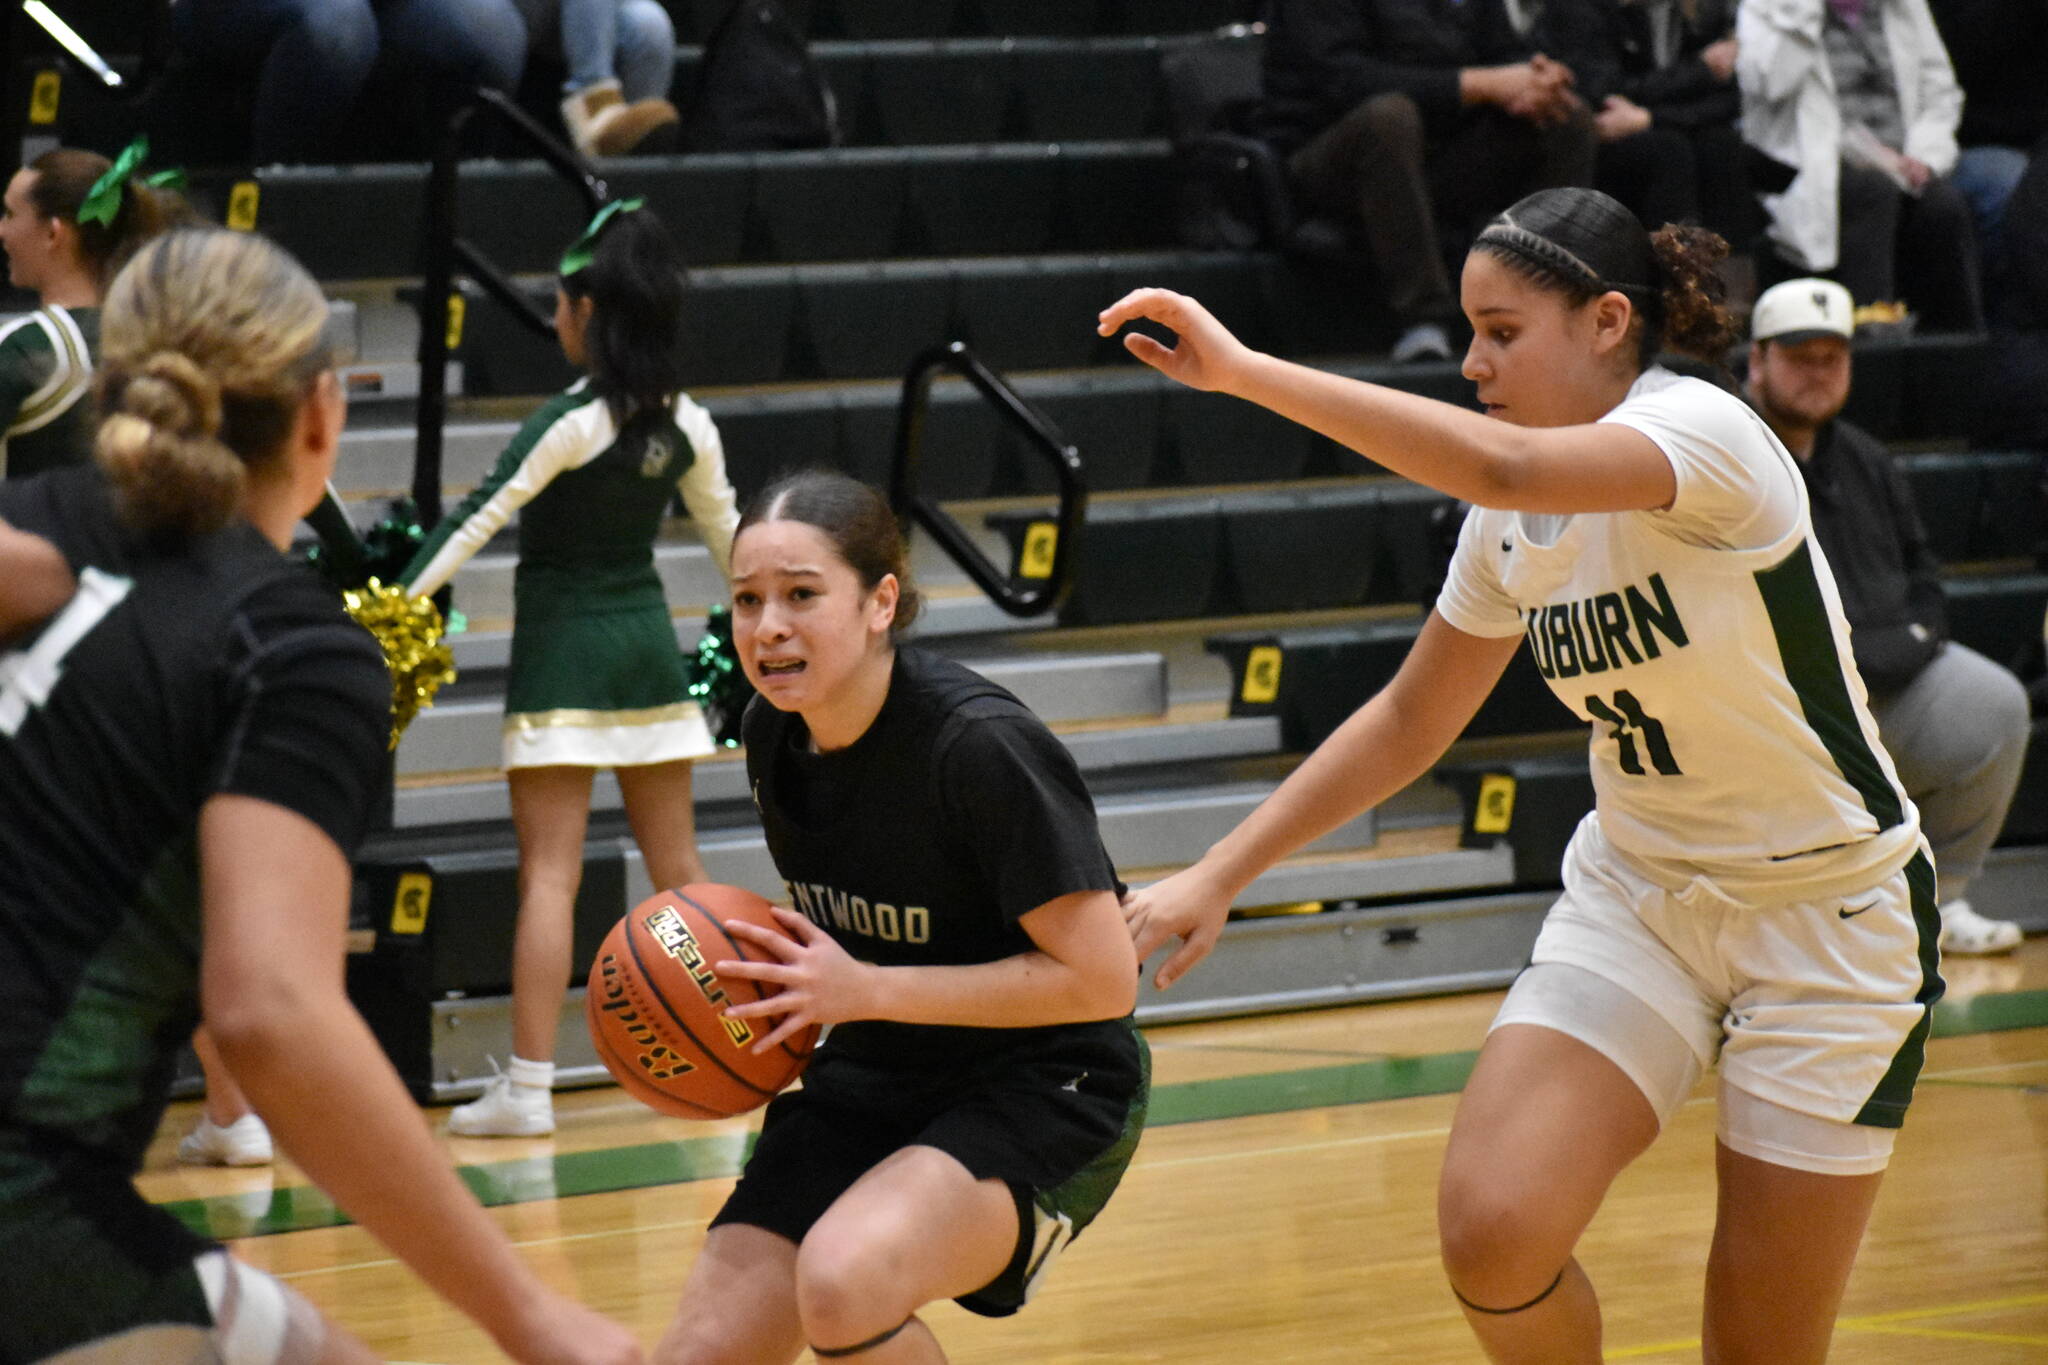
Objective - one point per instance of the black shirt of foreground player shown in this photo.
(168, 679)
(924, 841)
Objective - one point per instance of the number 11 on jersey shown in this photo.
(1627, 719)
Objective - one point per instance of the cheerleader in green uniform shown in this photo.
(597, 680)
(71, 217)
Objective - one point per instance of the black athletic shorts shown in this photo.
(83, 1255)
(1056, 1122)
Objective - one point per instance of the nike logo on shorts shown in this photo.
(1852, 914)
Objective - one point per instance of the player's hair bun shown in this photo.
(167, 390)
(160, 444)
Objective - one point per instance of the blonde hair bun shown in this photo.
(168, 391)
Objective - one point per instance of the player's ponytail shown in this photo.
(855, 519)
(1694, 297)
(635, 346)
(209, 343)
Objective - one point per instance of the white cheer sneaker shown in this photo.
(245, 1142)
(505, 1109)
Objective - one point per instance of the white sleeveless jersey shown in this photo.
(1706, 644)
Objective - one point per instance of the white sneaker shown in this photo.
(1966, 933)
(245, 1142)
(505, 1110)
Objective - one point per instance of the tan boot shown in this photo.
(601, 123)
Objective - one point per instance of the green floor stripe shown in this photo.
(1318, 1087)
(1990, 1013)
(299, 1208)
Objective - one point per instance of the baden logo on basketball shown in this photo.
(656, 1058)
(679, 943)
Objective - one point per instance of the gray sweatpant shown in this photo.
(1957, 733)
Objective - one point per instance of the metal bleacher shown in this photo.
(1243, 582)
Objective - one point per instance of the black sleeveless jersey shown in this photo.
(927, 839)
(167, 679)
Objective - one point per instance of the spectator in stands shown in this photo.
(597, 680)
(2014, 411)
(1417, 122)
(1955, 722)
(1859, 96)
(314, 57)
(70, 217)
(1660, 75)
(2000, 52)
(621, 56)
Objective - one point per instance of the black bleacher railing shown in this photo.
(444, 252)
(1051, 580)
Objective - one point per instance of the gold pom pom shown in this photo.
(411, 632)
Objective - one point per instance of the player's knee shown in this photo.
(1497, 1247)
(846, 1290)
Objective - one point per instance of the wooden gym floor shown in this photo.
(1280, 1208)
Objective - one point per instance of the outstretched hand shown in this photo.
(1206, 356)
(1185, 906)
(821, 982)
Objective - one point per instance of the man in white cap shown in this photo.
(1955, 722)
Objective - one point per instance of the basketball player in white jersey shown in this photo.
(1751, 887)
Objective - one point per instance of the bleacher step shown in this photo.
(463, 735)
(723, 780)
(1145, 829)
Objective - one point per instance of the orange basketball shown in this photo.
(655, 1007)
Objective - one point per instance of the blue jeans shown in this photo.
(1987, 176)
(313, 57)
(632, 41)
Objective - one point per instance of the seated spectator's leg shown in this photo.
(464, 43)
(1727, 198)
(1958, 735)
(1489, 159)
(647, 50)
(1653, 173)
(1938, 267)
(1368, 166)
(1868, 211)
(1986, 177)
(313, 56)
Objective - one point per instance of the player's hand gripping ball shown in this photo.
(657, 1011)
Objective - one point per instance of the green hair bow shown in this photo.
(583, 248)
(103, 201)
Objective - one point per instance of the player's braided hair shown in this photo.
(209, 342)
(855, 519)
(1581, 244)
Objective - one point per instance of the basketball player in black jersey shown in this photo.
(955, 921)
(190, 735)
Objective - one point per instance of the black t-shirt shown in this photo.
(168, 679)
(925, 841)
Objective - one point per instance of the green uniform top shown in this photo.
(593, 498)
(46, 360)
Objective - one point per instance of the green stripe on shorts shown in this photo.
(1886, 1107)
